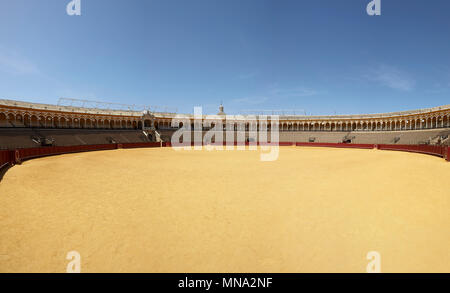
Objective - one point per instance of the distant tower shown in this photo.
(221, 112)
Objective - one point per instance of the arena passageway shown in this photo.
(160, 210)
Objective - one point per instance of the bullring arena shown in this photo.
(106, 183)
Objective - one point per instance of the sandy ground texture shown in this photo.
(160, 210)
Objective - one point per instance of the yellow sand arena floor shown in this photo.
(158, 210)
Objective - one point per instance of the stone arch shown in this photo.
(418, 123)
(19, 120)
(3, 120)
(34, 121)
(397, 125)
(11, 118)
(48, 122)
(41, 121)
(440, 122)
(407, 125)
(67, 122)
(26, 120)
(55, 122)
(63, 122)
(403, 125)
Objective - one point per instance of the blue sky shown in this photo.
(322, 56)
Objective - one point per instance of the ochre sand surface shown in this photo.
(160, 210)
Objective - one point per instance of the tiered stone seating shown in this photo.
(14, 138)
(28, 138)
(397, 137)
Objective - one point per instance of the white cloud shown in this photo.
(248, 75)
(392, 77)
(275, 92)
(13, 63)
(293, 92)
(251, 100)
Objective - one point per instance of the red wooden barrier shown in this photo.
(25, 154)
(280, 144)
(168, 144)
(336, 145)
(16, 156)
(141, 145)
(5, 158)
(424, 149)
